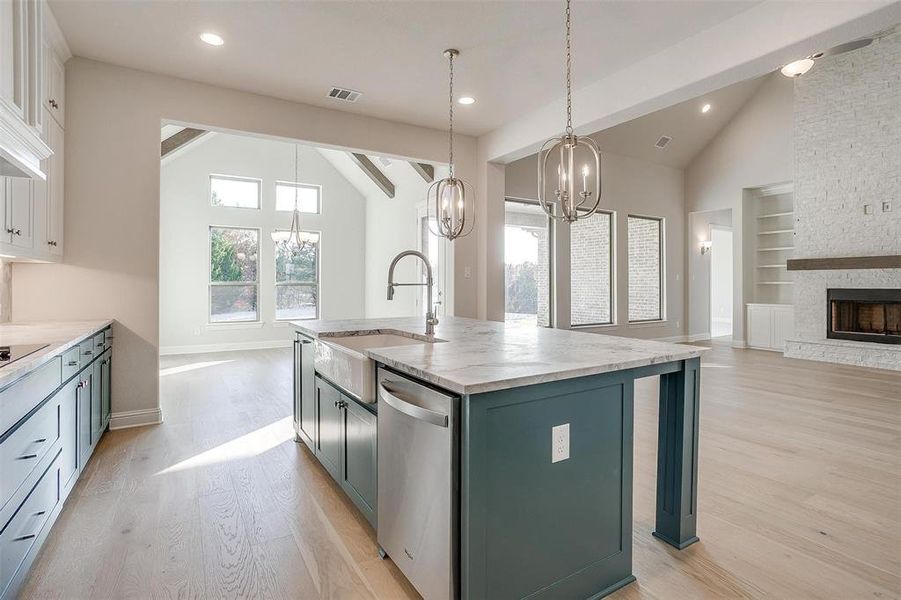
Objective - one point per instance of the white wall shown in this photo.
(720, 282)
(631, 186)
(185, 217)
(753, 150)
(111, 267)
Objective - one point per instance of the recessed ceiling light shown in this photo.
(467, 100)
(797, 68)
(706, 108)
(213, 39)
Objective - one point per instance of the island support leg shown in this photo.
(677, 455)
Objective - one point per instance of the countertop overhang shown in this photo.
(60, 336)
(482, 356)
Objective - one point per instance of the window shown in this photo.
(234, 192)
(645, 268)
(234, 261)
(591, 273)
(307, 196)
(527, 263)
(297, 278)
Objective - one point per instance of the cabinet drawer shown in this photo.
(71, 362)
(88, 352)
(20, 398)
(23, 450)
(99, 343)
(108, 338)
(23, 530)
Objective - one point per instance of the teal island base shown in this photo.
(535, 528)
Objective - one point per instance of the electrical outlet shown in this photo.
(886, 206)
(868, 209)
(559, 442)
(467, 272)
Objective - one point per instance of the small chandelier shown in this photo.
(450, 213)
(295, 235)
(568, 151)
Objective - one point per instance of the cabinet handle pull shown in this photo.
(9, 230)
(51, 243)
(53, 103)
(27, 456)
(17, 232)
(72, 363)
(22, 538)
(88, 352)
(40, 441)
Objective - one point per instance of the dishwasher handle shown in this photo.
(411, 410)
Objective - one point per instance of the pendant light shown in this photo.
(295, 235)
(566, 154)
(450, 210)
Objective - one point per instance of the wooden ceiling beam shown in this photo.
(425, 171)
(177, 140)
(373, 172)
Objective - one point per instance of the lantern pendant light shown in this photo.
(450, 210)
(295, 235)
(566, 154)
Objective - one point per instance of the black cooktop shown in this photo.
(10, 354)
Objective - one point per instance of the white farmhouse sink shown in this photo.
(342, 361)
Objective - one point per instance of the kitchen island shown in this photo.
(544, 490)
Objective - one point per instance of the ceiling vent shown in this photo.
(344, 94)
(663, 141)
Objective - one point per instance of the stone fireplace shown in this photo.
(848, 208)
(864, 315)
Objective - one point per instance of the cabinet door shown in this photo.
(20, 212)
(68, 425)
(55, 178)
(759, 326)
(85, 447)
(360, 459)
(54, 86)
(13, 56)
(106, 365)
(783, 326)
(330, 441)
(306, 392)
(96, 400)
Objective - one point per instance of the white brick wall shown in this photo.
(590, 270)
(644, 268)
(847, 137)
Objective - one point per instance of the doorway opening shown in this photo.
(721, 251)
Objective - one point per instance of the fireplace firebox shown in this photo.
(864, 315)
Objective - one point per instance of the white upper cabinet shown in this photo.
(32, 102)
(21, 88)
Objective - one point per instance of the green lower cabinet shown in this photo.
(96, 400)
(360, 460)
(304, 391)
(346, 445)
(68, 433)
(85, 445)
(106, 365)
(330, 442)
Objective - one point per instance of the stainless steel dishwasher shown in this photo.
(418, 507)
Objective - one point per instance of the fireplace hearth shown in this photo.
(864, 315)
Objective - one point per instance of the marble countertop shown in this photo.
(60, 336)
(481, 356)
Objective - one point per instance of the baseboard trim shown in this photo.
(673, 339)
(226, 347)
(698, 337)
(740, 344)
(136, 418)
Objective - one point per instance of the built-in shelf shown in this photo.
(771, 266)
(777, 214)
(775, 249)
(772, 231)
(775, 282)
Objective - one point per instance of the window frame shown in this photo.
(612, 286)
(297, 184)
(211, 283)
(318, 283)
(552, 258)
(222, 176)
(661, 261)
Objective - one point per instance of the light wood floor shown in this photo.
(800, 493)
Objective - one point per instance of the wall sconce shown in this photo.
(706, 246)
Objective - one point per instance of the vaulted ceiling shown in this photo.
(511, 61)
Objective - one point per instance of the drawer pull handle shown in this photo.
(40, 441)
(88, 352)
(100, 344)
(27, 456)
(72, 363)
(22, 538)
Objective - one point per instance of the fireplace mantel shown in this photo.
(891, 261)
